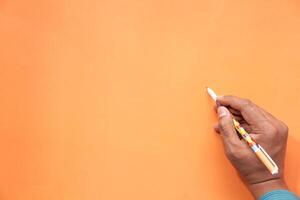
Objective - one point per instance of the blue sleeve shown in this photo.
(279, 195)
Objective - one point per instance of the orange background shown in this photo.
(105, 99)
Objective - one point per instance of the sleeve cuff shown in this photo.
(279, 195)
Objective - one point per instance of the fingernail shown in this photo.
(220, 97)
(222, 111)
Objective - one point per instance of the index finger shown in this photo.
(250, 112)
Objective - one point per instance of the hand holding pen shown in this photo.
(265, 129)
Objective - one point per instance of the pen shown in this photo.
(257, 149)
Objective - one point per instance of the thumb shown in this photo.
(227, 129)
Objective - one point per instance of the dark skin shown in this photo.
(265, 129)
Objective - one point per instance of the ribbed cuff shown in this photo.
(279, 195)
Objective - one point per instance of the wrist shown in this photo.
(258, 189)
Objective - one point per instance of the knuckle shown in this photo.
(247, 104)
(230, 152)
(217, 127)
(234, 154)
(221, 128)
(224, 125)
(272, 130)
(256, 137)
(230, 96)
(284, 129)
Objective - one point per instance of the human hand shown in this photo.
(265, 129)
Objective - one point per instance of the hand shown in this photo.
(265, 129)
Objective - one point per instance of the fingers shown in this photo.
(227, 130)
(244, 125)
(234, 112)
(250, 112)
(216, 128)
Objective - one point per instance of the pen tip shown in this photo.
(212, 94)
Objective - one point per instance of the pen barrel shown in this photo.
(265, 159)
(258, 150)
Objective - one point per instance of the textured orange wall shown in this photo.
(105, 99)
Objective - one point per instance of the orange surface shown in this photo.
(105, 99)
